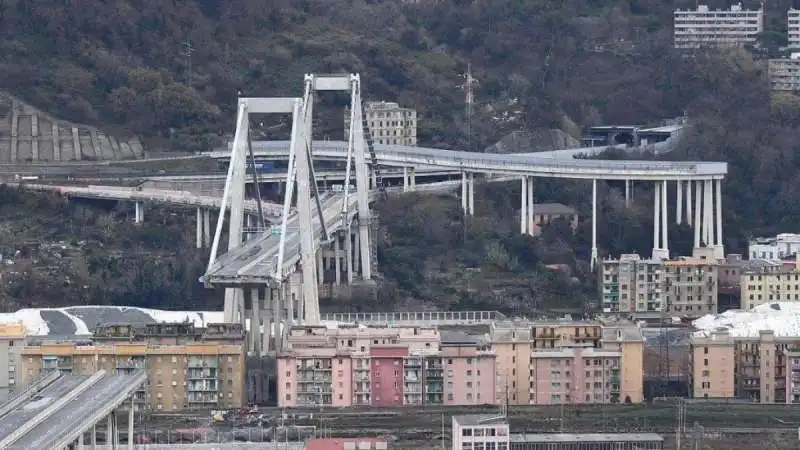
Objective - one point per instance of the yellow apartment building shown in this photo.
(186, 367)
(517, 343)
(761, 286)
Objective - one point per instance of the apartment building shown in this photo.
(793, 28)
(770, 283)
(480, 432)
(757, 368)
(713, 366)
(774, 248)
(186, 367)
(690, 284)
(683, 286)
(389, 123)
(384, 366)
(705, 27)
(567, 362)
(784, 73)
(631, 284)
(12, 341)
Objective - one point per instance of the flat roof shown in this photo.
(480, 419)
(662, 129)
(586, 437)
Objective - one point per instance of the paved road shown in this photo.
(74, 414)
(25, 412)
(255, 261)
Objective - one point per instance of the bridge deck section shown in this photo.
(556, 164)
(180, 198)
(23, 413)
(255, 261)
(77, 413)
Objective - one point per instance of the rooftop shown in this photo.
(783, 318)
(471, 420)
(347, 444)
(552, 209)
(587, 437)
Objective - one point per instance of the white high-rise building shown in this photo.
(388, 122)
(794, 28)
(704, 27)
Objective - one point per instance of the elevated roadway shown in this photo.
(16, 418)
(80, 412)
(179, 198)
(555, 164)
(256, 260)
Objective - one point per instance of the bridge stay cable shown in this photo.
(376, 169)
(262, 221)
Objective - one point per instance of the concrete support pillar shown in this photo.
(93, 438)
(254, 336)
(130, 425)
(374, 177)
(207, 228)
(356, 257)
(523, 212)
(698, 212)
(719, 247)
(708, 213)
(139, 215)
(627, 193)
(272, 326)
(679, 203)
(689, 203)
(110, 430)
(529, 220)
(320, 268)
(593, 260)
(664, 221)
(471, 193)
(656, 219)
(337, 260)
(79, 442)
(199, 229)
(405, 179)
(348, 251)
(464, 193)
(412, 178)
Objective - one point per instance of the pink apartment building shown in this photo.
(384, 367)
(575, 374)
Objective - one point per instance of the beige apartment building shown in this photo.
(690, 284)
(564, 362)
(389, 123)
(631, 284)
(682, 286)
(753, 368)
(186, 367)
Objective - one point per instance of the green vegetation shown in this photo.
(59, 254)
(121, 65)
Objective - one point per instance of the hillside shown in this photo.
(125, 64)
(122, 66)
